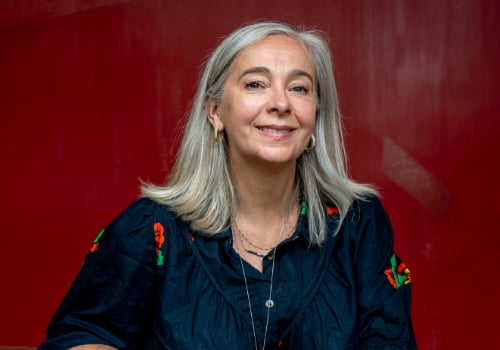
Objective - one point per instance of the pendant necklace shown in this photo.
(269, 302)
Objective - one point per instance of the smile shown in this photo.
(275, 131)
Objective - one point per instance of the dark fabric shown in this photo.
(190, 292)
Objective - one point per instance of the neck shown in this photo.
(264, 192)
(267, 206)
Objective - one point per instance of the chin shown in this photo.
(278, 158)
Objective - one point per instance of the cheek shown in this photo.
(240, 111)
(308, 119)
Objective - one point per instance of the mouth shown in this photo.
(275, 130)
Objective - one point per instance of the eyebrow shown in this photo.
(265, 70)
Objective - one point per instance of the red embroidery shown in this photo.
(332, 210)
(398, 275)
(95, 244)
(94, 247)
(159, 236)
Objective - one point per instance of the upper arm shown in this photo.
(112, 299)
(383, 283)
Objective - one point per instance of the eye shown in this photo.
(254, 85)
(299, 89)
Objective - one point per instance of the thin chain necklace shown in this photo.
(269, 301)
(266, 250)
(243, 237)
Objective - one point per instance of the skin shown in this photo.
(268, 113)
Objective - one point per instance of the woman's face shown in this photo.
(268, 106)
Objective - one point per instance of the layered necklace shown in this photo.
(269, 302)
(254, 246)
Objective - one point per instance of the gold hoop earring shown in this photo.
(311, 144)
(215, 135)
(218, 138)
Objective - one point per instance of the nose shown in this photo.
(279, 101)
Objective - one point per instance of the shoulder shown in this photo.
(367, 224)
(137, 224)
(367, 208)
(366, 211)
(144, 211)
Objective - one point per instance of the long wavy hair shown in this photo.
(200, 189)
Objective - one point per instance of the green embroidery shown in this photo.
(95, 243)
(99, 235)
(159, 259)
(303, 208)
(159, 231)
(398, 274)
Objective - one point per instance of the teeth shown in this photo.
(275, 131)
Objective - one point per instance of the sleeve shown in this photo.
(112, 298)
(383, 283)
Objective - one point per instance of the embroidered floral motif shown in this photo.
(332, 210)
(398, 274)
(95, 243)
(160, 239)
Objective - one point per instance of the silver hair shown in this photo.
(200, 188)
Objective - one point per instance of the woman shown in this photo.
(259, 239)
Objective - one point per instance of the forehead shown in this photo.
(275, 51)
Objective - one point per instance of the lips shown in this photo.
(275, 131)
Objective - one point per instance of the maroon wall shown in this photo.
(91, 93)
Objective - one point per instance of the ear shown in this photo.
(214, 116)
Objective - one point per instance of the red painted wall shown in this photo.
(91, 93)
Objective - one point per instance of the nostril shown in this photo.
(283, 107)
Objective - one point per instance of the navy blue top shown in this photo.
(149, 282)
